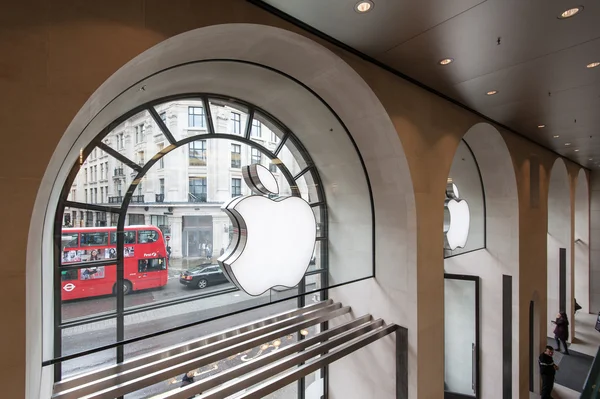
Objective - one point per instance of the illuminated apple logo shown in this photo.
(273, 239)
(457, 218)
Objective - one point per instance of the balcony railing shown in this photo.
(137, 198)
(160, 197)
(115, 200)
(201, 197)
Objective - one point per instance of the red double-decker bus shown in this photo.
(145, 260)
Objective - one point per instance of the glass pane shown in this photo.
(293, 147)
(271, 131)
(459, 331)
(86, 291)
(314, 385)
(87, 363)
(101, 179)
(184, 118)
(308, 188)
(85, 337)
(229, 117)
(316, 260)
(201, 330)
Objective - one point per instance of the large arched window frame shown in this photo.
(140, 171)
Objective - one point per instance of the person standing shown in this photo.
(561, 331)
(547, 372)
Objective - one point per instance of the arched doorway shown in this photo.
(582, 244)
(282, 88)
(559, 274)
(485, 175)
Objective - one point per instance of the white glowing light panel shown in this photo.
(273, 240)
(457, 218)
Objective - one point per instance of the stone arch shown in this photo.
(581, 268)
(500, 255)
(293, 78)
(559, 241)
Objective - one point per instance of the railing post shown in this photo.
(401, 363)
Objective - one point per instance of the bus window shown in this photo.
(94, 239)
(69, 240)
(68, 275)
(151, 265)
(130, 237)
(147, 236)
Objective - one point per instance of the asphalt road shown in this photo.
(89, 336)
(90, 306)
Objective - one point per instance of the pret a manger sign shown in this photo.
(273, 239)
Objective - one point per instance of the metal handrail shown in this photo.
(85, 378)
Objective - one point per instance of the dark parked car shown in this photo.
(202, 276)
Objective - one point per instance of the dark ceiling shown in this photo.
(535, 61)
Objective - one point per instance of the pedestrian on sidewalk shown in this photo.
(547, 372)
(561, 331)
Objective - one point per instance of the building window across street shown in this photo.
(197, 189)
(198, 153)
(236, 156)
(256, 156)
(236, 187)
(196, 117)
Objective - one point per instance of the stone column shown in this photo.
(176, 226)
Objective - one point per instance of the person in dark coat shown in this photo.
(561, 331)
(547, 372)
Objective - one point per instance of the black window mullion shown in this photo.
(161, 125)
(120, 320)
(249, 123)
(122, 158)
(281, 143)
(208, 115)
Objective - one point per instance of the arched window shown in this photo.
(139, 226)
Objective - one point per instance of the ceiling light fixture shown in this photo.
(571, 12)
(363, 6)
(590, 159)
(446, 61)
(567, 144)
(556, 136)
(492, 92)
(592, 65)
(576, 150)
(541, 126)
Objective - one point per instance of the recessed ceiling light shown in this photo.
(567, 144)
(576, 150)
(590, 159)
(363, 6)
(446, 61)
(593, 65)
(556, 136)
(541, 126)
(492, 92)
(571, 12)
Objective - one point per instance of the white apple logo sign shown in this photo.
(457, 218)
(273, 240)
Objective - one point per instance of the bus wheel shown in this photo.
(126, 288)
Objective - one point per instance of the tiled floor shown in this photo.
(587, 340)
